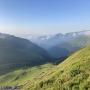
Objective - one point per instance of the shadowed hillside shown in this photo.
(17, 52)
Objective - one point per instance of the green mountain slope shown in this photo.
(17, 52)
(24, 75)
(72, 74)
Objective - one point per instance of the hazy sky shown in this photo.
(44, 16)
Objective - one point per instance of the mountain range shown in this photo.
(55, 39)
(62, 45)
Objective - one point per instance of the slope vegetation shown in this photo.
(24, 75)
(72, 74)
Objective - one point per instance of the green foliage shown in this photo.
(72, 74)
(24, 75)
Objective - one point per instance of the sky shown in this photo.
(24, 17)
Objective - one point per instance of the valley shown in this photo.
(28, 66)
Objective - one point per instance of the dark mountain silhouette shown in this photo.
(18, 52)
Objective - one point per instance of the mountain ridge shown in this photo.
(84, 32)
(18, 52)
(62, 45)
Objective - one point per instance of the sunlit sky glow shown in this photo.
(22, 17)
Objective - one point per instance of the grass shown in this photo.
(20, 76)
(72, 74)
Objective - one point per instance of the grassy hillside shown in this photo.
(19, 52)
(23, 75)
(72, 74)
